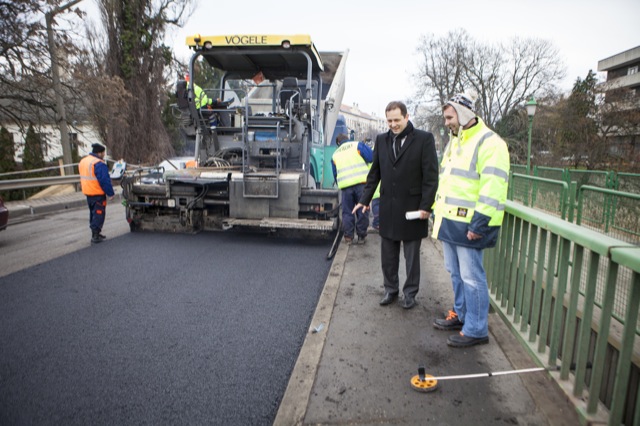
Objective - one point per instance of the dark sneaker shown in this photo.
(102, 237)
(450, 322)
(462, 341)
(361, 239)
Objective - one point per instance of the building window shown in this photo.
(632, 70)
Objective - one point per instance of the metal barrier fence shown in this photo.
(597, 178)
(557, 318)
(551, 173)
(614, 213)
(544, 194)
(518, 168)
(628, 182)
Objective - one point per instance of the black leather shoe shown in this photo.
(462, 341)
(409, 302)
(388, 299)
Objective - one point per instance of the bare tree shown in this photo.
(133, 64)
(503, 75)
(22, 71)
(440, 74)
(33, 56)
(61, 113)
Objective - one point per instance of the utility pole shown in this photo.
(61, 115)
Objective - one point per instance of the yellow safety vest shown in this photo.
(474, 174)
(201, 98)
(350, 166)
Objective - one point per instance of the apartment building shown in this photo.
(622, 93)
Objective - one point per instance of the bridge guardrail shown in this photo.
(9, 185)
(543, 280)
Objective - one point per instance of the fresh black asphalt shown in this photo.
(158, 329)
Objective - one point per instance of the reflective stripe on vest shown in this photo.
(350, 166)
(491, 202)
(460, 202)
(88, 180)
(471, 172)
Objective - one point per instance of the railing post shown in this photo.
(573, 189)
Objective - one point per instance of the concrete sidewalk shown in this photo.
(22, 210)
(358, 359)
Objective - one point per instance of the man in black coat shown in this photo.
(406, 163)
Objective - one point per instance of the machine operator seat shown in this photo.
(288, 90)
(182, 95)
(186, 122)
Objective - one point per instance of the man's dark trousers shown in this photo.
(391, 263)
(97, 210)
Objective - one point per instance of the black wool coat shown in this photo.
(408, 183)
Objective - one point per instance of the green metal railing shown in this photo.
(597, 178)
(519, 168)
(551, 173)
(614, 213)
(628, 182)
(544, 194)
(556, 316)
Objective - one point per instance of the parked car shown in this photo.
(4, 215)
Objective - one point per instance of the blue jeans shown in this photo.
(470, 291)
(350, 197)
(375, 209)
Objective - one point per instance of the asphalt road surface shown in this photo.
(151, 328)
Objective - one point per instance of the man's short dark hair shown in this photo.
(396, 105)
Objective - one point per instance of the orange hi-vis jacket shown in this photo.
(88, 180)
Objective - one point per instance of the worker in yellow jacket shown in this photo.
(468, 212)
(200, 97)
(350, 164)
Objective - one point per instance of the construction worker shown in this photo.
(350, 163)
(96, 185)
(200, 97)
(468, 210)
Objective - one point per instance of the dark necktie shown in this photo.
(396, 146)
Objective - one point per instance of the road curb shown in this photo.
(293, 407)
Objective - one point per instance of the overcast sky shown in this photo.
(382, 36)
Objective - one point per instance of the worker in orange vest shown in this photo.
(96, 185)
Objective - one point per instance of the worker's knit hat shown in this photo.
(463, 104)
(97, 148)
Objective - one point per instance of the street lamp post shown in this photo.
(531, 111)
(441, 144)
